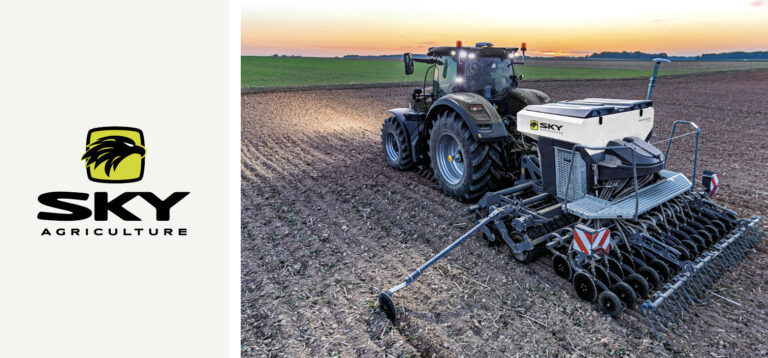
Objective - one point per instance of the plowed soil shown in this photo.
(327, 225)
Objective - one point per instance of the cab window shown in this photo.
(445, 76)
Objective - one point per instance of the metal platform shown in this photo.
(592, 207)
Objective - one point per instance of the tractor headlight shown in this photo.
(463, 54)
(471, 55)
(459, 80)
(453, 53)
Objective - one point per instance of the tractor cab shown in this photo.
(485, 70)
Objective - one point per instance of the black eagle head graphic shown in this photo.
(111, 150)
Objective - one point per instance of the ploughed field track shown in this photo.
(327, 225)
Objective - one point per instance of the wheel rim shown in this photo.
(393, 148)
(450, 161)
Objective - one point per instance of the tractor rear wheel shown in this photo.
(464, 167)
(394, 143)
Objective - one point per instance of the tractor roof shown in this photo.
(481, 51)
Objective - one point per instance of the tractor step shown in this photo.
(649, 197)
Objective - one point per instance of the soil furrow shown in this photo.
(327, 225)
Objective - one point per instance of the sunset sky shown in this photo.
(551, 28)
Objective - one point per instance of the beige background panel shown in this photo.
(67, 67)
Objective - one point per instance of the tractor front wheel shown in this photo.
(464, 167)
(394, 143)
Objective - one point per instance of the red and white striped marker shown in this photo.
(598, 242)
(714, 184)
(601, 241)
(583, 241)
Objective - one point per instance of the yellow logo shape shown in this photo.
(115, 154)
(535, 125)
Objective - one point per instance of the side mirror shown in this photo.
(408, 60)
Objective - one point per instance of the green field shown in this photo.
(280, 71)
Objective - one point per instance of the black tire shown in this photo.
(696, 225)
(585, 287)
(627, 260)
(706, 236)
(610, 304)
(711, 226)
(730, 221)
(394, 144)
(561, 266)
(614, 266)
(691, 247)
(661, 268)
(701, 245)
(712, 231)
(626, 294)
(721, 227)
(480, 161)
(680, 235)
(650, 276)
(638, 284)
(685, 255)
(688, 229)
(601, 274)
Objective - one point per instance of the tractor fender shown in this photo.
(411, 120)
(521, 97)
(484, 122)
(401, 113)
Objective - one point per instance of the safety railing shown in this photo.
(696, 150)
(634, 172)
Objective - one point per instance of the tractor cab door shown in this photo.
(445, 77)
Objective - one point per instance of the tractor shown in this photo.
(464, 128)
(578, 179)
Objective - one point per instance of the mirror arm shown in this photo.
(430, 61)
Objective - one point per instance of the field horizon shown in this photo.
(269, 71)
